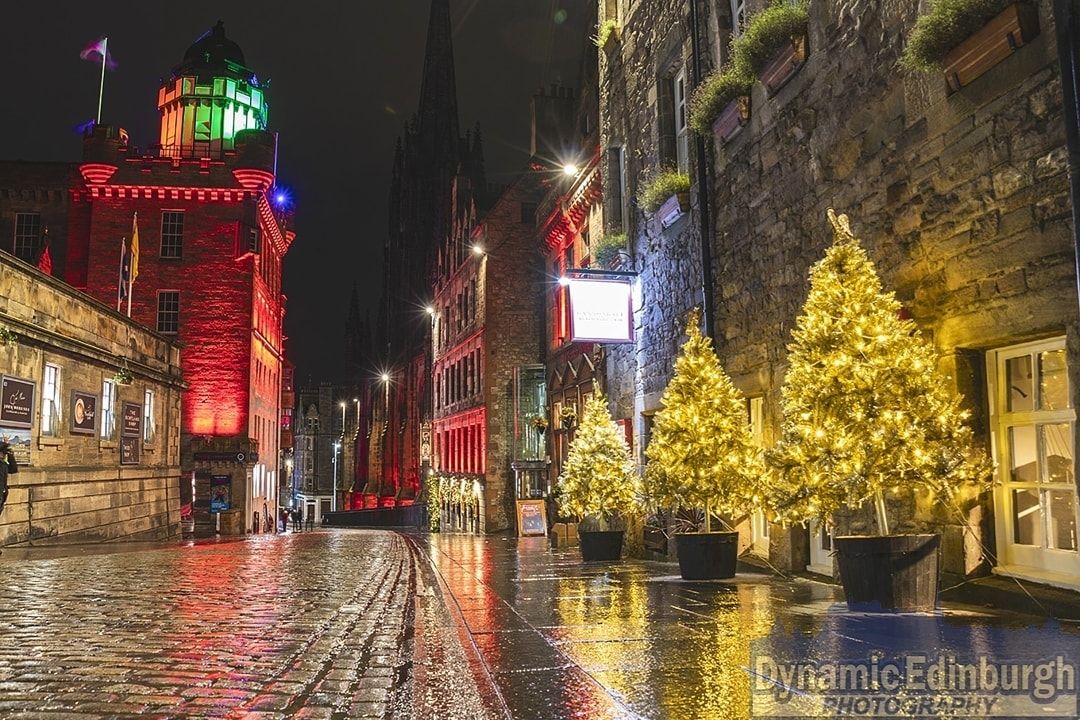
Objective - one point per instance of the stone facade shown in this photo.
(961, 199)
(42, 192)
(75, 487)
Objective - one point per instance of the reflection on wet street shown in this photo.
(566, 639)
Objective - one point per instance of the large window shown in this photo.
(108, 409)
(1033, 422)
(168, 311)
(172, 233)
(50, 400)
(27, 236)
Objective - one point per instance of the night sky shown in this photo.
(344, 78)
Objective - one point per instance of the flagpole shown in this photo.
(101, 87)
(133, 260)
(120, 276)
(130, 283)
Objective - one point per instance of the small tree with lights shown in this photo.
(598, 480)
(701, 453)
(866, 411)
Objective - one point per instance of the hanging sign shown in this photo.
(601, 311)
(16, 402)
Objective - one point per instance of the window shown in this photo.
(738, 17)
(168, 311)
(148, 416)
(108, 409)
(172, 233)
(253, 238)
(27, 236)
(50, 401)
(616, 185)
(682, 135)
(528, 213)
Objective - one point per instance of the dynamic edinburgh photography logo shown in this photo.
(914, 685)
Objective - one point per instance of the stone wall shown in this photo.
(74, 488)
(961, 199)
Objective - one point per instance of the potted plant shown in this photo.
(608, 251)
(666, 194)
(540, 424)
(965, 38)
(123, 376)
(721, 104)
(567, 416)
(607, 34)
(598, 481)
(774, 45)
(866, 413)
(8, 337)
(701, 455)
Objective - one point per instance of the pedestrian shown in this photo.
(8, 466)
(298, 519)
(311, 520)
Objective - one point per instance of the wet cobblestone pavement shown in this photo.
(566, 639)
(314, 625)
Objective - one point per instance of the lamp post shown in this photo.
(333, 492)
(342, 418)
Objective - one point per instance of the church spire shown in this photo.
(438, 115)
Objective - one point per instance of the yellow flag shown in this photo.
(134, 248)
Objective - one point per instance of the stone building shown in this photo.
(99, 449)
(486, 351)
(322, 413)
(212, 237)
(36, 209)
(961, 198)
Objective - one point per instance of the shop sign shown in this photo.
(220, 492)
(601, 311)
(16, 402)
(132, 420)
(83, 412)
(129, 450)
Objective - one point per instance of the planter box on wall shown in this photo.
(673, 208)
(784, 64)
(1013, 28)
(731, 119)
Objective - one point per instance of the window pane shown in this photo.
(1053, 380)
(1023, 454)
(1062, 519)
(1027, 518)
(1057, 445)
(1019, 383)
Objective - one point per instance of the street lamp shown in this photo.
(478, 249)
(570, 169)
(357, 401)
(342, 418)
(333, 493)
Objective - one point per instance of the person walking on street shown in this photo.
(8, 466)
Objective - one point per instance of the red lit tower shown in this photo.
(212, 234)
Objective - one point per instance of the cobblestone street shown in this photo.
(314, 625)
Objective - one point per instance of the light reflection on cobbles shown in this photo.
(308, 625)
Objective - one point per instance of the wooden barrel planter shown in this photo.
(731, 119)
(1011, 29)
(784, 64)
(889, 573)
(707, 556)
(601, 546)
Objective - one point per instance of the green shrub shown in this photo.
(767, 31)
(658, 188)
(604, 31)
(943, 27)
(714, 93)
(607, 249)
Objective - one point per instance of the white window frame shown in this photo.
(149, 426)
(50, 400)
(1040, 563)
(679, 90)
(738, 17)
(108, 410)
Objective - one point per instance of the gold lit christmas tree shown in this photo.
(866, 411)
(598, 479)
(701, 453)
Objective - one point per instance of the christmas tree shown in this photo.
(701, 453)
(866, 410)
(598, 479)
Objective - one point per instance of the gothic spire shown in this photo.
(438, 115)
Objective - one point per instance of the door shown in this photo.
(820, 548)
(1032, 420)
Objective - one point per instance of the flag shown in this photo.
(133, 249)
(125, 273)
(44, 263)
(98, 52)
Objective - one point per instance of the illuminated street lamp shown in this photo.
(430, 311)
(570, 170)
(478, 249)
(342, 418)
(333, 494)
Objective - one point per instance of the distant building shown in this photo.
(318, 464)
(91, 403)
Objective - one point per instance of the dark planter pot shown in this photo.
(597, 546)
(889, 573)
(1012, 28)
(673, 208)
(784, 64)
(707, 556)
(731, 119)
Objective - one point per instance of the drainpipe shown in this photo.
(1065, 22)
(704, 196)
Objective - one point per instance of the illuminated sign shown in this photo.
(600, 311)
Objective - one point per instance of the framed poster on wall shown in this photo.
(220, 492)
(531, 517)
(83, 412)
(19, 439)
(16, 402)
(131, 420)
(129, 450)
